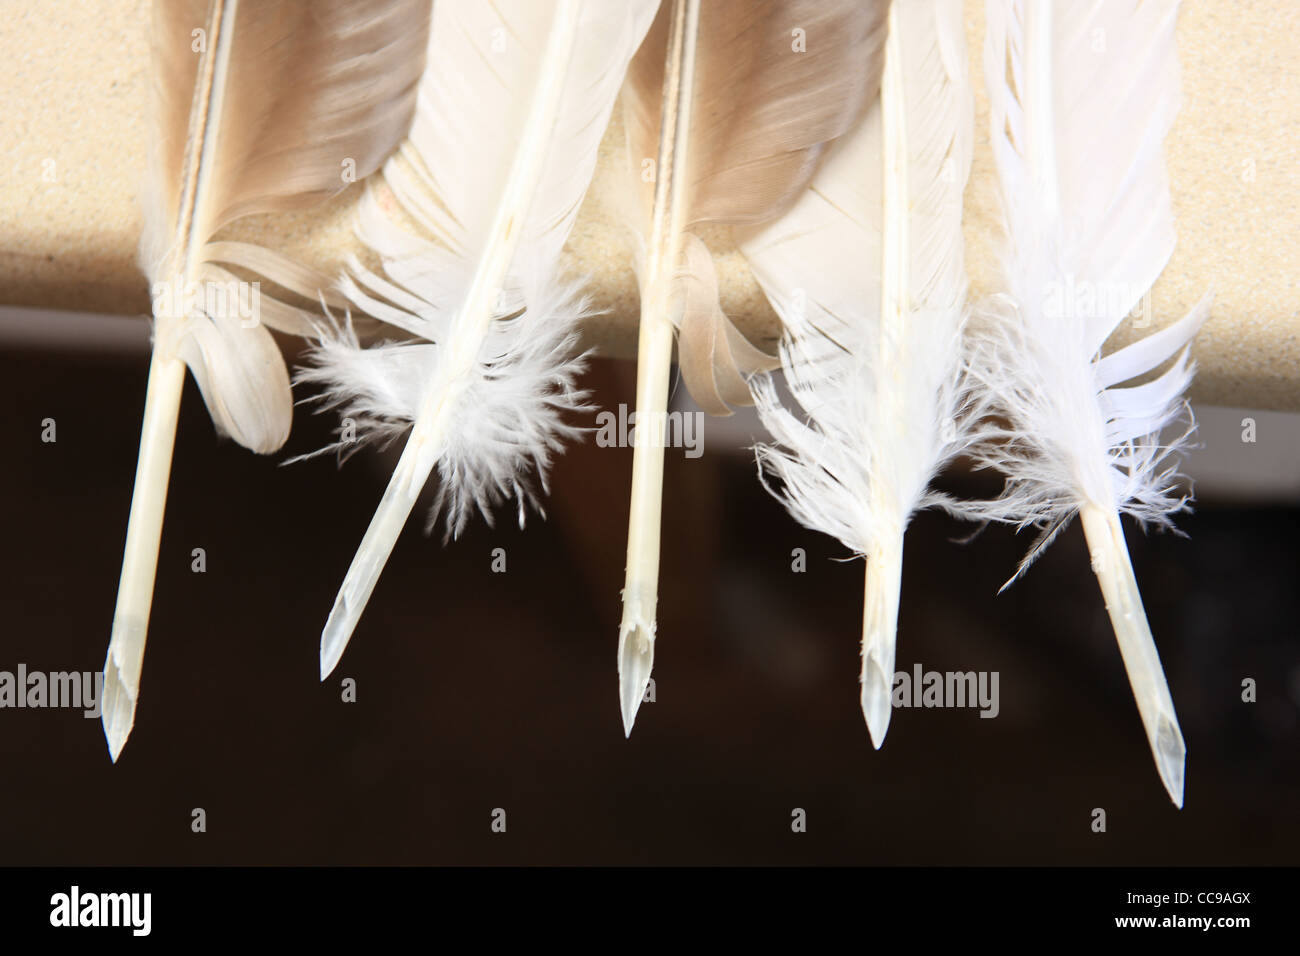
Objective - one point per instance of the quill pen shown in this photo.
(866, 273)
(1081, 97)
(257, 108)
(512, 109)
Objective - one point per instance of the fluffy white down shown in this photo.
(512, 412)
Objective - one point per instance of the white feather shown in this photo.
(1079, 112)
(1081, 97)
(511, 111)
(867, 275)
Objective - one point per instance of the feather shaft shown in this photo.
(125, 657)
(1119, 588)
(882, 585)
(654, 361)
(884, 560)
(126, 643)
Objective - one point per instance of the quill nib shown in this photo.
(876, 699)
(381, 536)
(636, 657)
(1171, 758)
(1114, 570)
(336, 634)
(879, 629)
(125, 657)
(118, 701)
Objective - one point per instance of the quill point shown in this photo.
(121, 687)
(877, 701)
(118, 713)
(334, 638)
(636, 654)
(1171, 759)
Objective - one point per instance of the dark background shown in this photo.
(479, 690)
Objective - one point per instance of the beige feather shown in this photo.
(258, 107)
(736, 102)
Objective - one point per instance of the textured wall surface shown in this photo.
(72, 138)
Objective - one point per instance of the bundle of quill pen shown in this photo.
(835, 138)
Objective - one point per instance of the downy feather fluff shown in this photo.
(866, 273)
(1081, 97)
(735, 102)
(469, 225)
(257, 108)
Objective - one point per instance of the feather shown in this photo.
(279, 96)
(1081, 98)
(866, 273)
(736, 102)
(479, 203)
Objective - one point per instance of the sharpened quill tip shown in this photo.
(118, 714)
(636, 655)
(877, 701)
(1171, 759)
(334, 638)
(1114, 570)
(121, 688)
(883, 578)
